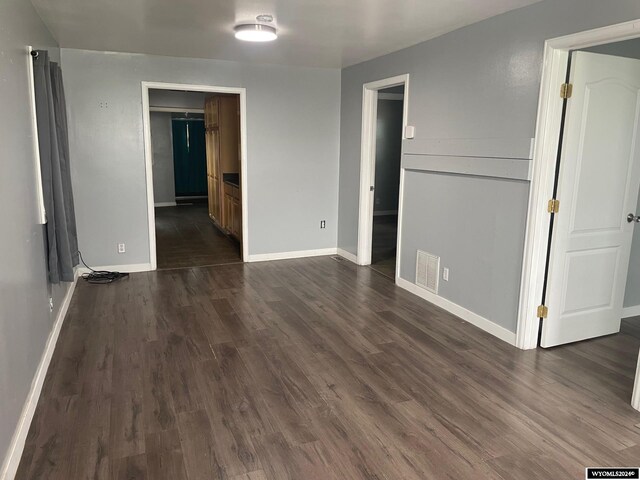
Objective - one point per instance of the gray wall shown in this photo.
(632, 292)
(25, 321)
(628, 48)
(176, 99)
(293, 143)
(164, 189)
(481, 81)
(388, 155)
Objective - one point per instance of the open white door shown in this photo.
(597, 189)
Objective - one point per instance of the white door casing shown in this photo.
(598, 186)
(368, 162)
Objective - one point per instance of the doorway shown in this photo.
(195, 154)
(386, 190)
(384, 118)
(583, 203)
(596, 188)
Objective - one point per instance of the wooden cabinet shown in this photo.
(213, 172)
(222, 130)
(236, 218)
(232, 211)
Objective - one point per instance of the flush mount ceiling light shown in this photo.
(257, 32)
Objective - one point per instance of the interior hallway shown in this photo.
(383, 245)
(316, 369)
(186, 237)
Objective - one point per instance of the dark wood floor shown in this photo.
(383, 244)
(316, 369)
(186, 237)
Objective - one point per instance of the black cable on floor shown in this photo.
(100, 276)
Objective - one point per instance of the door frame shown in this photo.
(368, 163)
(148, 157)
(556, 56)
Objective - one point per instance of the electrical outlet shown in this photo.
(445, 274)
(50, 304)
(323, 224)
(121, 248)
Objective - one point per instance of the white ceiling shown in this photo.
(323, 33)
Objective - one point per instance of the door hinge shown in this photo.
(553, 206)
(566, 89)
(542, 311)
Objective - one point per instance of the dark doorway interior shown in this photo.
(189, 157)
(387, 180)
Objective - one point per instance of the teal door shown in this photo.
(189, 157)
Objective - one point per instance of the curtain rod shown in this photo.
(34, 53)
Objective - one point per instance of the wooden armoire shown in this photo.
(222, 131)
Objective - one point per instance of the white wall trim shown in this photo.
(455, 309)
(165, 204)
(16, 447)
(266, 257)
(400, 219)
(635, 398)
(347, 255)
(148, 155)
(368, 158)
(130, 268)
(556, 54)
(628, 312)
(42, 214)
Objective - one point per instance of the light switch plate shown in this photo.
(409, 131)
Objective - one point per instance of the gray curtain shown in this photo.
(51, 114)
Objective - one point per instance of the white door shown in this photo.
(597, 188)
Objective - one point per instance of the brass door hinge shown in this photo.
(566, 89)
(553, 206)
(542, 311)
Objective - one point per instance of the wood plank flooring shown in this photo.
(316, 369)
(186, 237)
(383, 245)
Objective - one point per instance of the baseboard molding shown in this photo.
(266, 257)
(629, 312)
(348, 255)
(635, 398)
(16, 447)
(384, 213)
(131, 268)
(165, 204)
(467, 315)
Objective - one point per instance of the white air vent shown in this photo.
(427, 271)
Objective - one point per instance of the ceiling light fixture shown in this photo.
(257, 32)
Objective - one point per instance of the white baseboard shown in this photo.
(467, 315)
(635, 398)
(131, 268)
(348, 255)
(165, 204)
(629, 312)
(14, 454)
(382, 213)
(266, 257)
